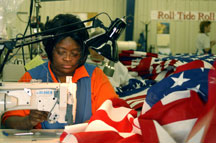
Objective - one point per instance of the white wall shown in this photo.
(115, 8)
(183, 33)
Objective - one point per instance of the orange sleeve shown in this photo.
(101, 89)
(25, 78)
(20, 113)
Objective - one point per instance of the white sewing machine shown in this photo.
(51, 97)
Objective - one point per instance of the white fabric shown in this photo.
(120, 76)
(203, 42)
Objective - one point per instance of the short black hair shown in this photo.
(79, 36)
(204, 24)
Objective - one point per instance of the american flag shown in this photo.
(115, 122)
(184, 111)
(204, 129)
(194, 79)
(152, 68)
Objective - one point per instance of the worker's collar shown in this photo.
(79, 73)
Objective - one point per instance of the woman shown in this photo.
(67, 55)
(203, 43)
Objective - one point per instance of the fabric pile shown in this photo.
(179, 108)
(149, 69)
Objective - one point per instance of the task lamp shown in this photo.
(104, 44)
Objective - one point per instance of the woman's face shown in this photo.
(66, 55)
(208, 29)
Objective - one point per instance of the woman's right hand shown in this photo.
(36, 117)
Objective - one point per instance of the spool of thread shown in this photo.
(126, 45)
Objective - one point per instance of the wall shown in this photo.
(115, 8)
(183, 33)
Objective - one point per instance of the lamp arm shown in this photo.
(98, 42)
(34, 38)
(41, 38)
(53, 29)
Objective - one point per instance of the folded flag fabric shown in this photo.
(185, 114)
(153, 64)
(179, 107)
(136, 100)
(127, 55)
(154, 68)
(113, 122)
(205, 127)
(186, 58)
(134, 86)
(116, 122)
(134, 93)
(195, 79)
(176, 113)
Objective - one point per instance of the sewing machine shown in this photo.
(54, 97)
(51, 97)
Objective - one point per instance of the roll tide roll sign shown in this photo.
(183, 15)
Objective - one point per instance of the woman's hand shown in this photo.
(26, 122)
(36, 117)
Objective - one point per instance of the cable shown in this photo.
(23, 55)
(20, 18)
(30, 15)
(18, 48)
(29, 22)
(23, 35)
(105, 14)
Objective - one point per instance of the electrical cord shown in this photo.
(19, 34)
(18, 16)
(30, 16)
(105, 14)
(29, 22)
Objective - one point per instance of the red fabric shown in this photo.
(191, 65)
(181, 109)
(128, 53)
(133, 101)
(117, 124)
(121, 126)
(123, 123)
(149, 133)
(143, 67)
(207, 119)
